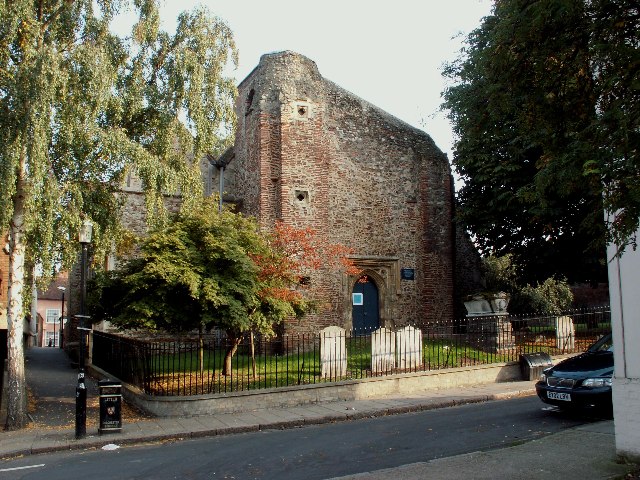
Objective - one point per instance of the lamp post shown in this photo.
(220, 165)
(84, 237)
(62, 289)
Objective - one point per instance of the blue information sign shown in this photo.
(407, 273)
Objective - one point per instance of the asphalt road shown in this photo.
(315, 452)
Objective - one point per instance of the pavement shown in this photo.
(584, 452)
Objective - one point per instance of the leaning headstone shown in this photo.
(333, 353)
(565, 334)
(408, 348)
(383, 348)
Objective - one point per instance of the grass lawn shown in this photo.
(176, 368)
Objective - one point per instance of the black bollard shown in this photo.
(81, 410)
(81, 389)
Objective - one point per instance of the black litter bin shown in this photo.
(533, 364)
(110, 393)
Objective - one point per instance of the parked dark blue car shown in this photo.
(582, 382)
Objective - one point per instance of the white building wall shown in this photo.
(624, 290)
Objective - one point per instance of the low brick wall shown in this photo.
(324, 392)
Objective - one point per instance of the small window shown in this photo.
(52, 315)
(357, 299)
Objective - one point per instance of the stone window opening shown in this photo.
(302, 196)
(249, 102)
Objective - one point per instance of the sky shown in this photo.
(388, 52)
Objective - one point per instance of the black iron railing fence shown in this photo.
(195, 365)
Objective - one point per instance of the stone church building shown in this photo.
(312, 154)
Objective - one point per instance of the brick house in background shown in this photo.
(27, 335)
(312, 154)
(49, 308)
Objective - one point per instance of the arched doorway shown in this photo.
(365, 312)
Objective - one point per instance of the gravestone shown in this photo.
(333, 353)
(565, 334)
(383, 351)
(408, 348)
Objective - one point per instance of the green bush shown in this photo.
(551, 296)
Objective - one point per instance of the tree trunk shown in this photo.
(231, 351)
(16, 388)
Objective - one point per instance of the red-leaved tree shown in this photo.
(283, 270)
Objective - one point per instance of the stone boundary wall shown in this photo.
(235, 402)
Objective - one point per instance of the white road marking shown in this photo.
(21, 468)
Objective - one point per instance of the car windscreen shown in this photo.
(605, 344)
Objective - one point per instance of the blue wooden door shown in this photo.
(365, 312)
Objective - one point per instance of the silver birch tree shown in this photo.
(81, 108)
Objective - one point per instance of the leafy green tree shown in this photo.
(195, 273)
(552, 296)
(205, 269)
(80, 109)
(544, 105)
(209, 268)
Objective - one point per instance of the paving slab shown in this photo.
(196, 424)
(239, 422)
